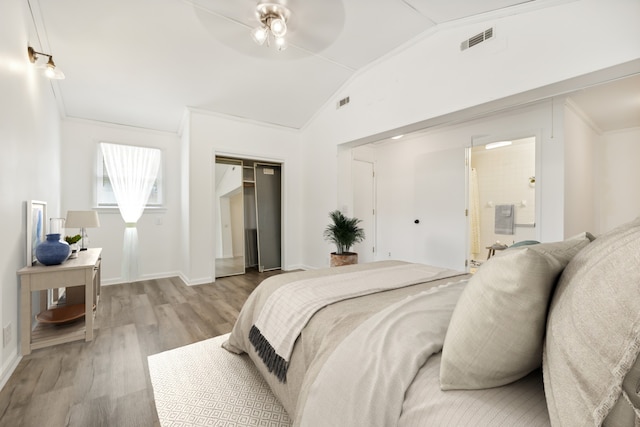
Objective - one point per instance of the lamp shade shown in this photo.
(82, 219)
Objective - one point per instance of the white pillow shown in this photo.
(591, 366)
(497, 329)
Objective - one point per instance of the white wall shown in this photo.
(397, 171)
(432, 78)
(617, 178)
(579, 173)
(30, 160)
(212, 135)
(158, 230)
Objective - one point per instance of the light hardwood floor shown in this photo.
(106, 382)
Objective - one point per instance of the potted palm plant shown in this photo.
(343, 232)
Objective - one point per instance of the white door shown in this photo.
(440, 236)
(364, 208)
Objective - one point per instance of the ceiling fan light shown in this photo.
(281, 43)
(278, 27)
(273, 17)
(259, 35)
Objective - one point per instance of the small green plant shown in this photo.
(344, 232)
(72, 239)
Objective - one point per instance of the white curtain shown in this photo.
(474, 206)
(132, 172)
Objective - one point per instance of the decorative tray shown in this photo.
(59, 315)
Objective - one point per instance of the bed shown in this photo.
(543, 334)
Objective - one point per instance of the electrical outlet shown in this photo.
(6, 335)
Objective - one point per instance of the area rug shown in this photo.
(202, 384)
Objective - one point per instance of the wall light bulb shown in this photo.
(50, 72)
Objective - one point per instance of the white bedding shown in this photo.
(423, 403)
(401, 337)
(400, 385)
(288, 309)
(520, 404)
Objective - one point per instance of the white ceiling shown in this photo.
(142, 62)
(611, 106)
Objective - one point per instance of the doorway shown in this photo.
(502, 196)
(248, 221)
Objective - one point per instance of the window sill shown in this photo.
(115, 210)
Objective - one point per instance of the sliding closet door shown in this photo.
(229, 218)
(268, 214)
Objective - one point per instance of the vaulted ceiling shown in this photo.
(142, 62)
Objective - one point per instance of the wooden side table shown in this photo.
(81, 271)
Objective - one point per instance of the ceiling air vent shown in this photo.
(343, 102)
(477, 39)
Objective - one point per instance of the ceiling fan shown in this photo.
(301, 27)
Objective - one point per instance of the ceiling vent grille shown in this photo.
(477, 39)
(342, 102)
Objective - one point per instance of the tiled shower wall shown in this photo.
(504, 178)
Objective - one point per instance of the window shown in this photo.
(104, 191)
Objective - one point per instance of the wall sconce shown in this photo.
(50, 69)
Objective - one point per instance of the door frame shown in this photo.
(283, 196)
(478, 141)
(374, 232)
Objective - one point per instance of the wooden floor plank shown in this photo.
(106, 382)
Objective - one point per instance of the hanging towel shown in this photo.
(505, 219)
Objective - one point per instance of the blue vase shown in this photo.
(52, 251)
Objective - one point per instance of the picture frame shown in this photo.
(36, 228)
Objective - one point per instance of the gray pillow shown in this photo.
(591, 368)
(497, 328)
(524, 243)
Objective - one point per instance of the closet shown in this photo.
(248, 225)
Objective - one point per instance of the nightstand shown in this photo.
(81, 271)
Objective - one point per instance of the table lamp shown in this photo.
(82, 220)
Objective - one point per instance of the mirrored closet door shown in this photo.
(229, 217)
(248, 216)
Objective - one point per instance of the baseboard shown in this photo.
(299, 267)
(201, 281)
(9, 367)
(119, 281)
(190, 282)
